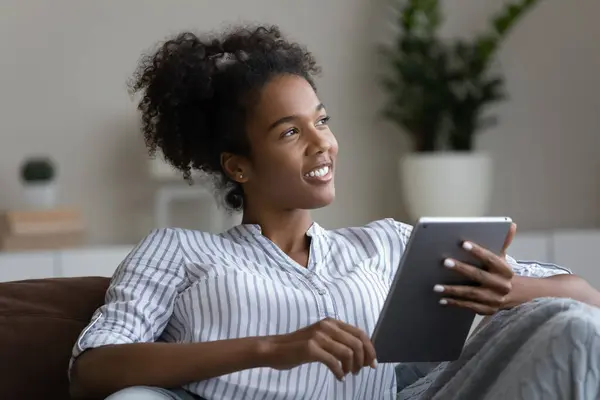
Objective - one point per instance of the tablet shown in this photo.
(413, 326)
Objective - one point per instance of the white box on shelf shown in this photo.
(166, 195)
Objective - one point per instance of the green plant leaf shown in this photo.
(438, 90)
(37, 170)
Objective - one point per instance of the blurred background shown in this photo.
(78, 189)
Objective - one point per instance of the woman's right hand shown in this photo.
(341, 347)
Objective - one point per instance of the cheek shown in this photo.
(278, 168)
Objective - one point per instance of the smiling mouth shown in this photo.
(322, 173)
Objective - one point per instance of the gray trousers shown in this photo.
(547, 349)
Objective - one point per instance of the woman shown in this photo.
(277, 307)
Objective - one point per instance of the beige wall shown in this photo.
(548, 143)
(65, 63)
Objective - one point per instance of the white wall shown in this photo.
(65, 64)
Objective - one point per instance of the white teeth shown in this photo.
(318, 172)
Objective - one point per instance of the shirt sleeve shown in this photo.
(403, 230)
(536, 269)
(140, 299)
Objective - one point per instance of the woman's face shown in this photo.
(293, 151)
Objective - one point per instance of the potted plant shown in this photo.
(39, 185)
(439, 93)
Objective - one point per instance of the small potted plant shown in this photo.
(39, 184)
(439, 94)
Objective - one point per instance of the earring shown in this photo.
(241, 176)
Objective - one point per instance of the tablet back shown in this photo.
(413, 326)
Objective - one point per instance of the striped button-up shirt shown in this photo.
(188, 286)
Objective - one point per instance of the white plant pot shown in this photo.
(447, 184)
(42, 195)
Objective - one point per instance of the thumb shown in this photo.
(509, 238)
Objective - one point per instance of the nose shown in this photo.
(318, 143)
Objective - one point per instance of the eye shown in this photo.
(289, 132)
(323, 121)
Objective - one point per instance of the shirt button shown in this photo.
(322, 292)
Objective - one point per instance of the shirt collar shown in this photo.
(253, 230)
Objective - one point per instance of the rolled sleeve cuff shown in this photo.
(94, 335)
(536, 269)
(100, 338)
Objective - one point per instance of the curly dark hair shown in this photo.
(197, 91)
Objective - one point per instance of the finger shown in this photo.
(356, 353)
(478, 308)
(354, 344)
(509, 238)
(341, 352)
(369, 355)
(351, 352)
(318, 354)
(493, 262)
(471, 293)
(498, 283)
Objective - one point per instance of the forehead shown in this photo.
(283, 96)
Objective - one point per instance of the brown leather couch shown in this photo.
(40, 321)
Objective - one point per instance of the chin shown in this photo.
(321, 200)
(318, 205)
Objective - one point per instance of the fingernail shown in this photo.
(467, 246)
(448, 263)
(438, 288)
(374, 364)
(443, 302)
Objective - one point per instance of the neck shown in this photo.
(287, 229)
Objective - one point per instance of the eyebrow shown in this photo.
(290, 118)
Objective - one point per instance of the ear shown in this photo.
(236, 167)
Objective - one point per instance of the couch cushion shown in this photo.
(39, 323)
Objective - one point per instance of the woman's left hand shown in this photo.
(495, 281)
